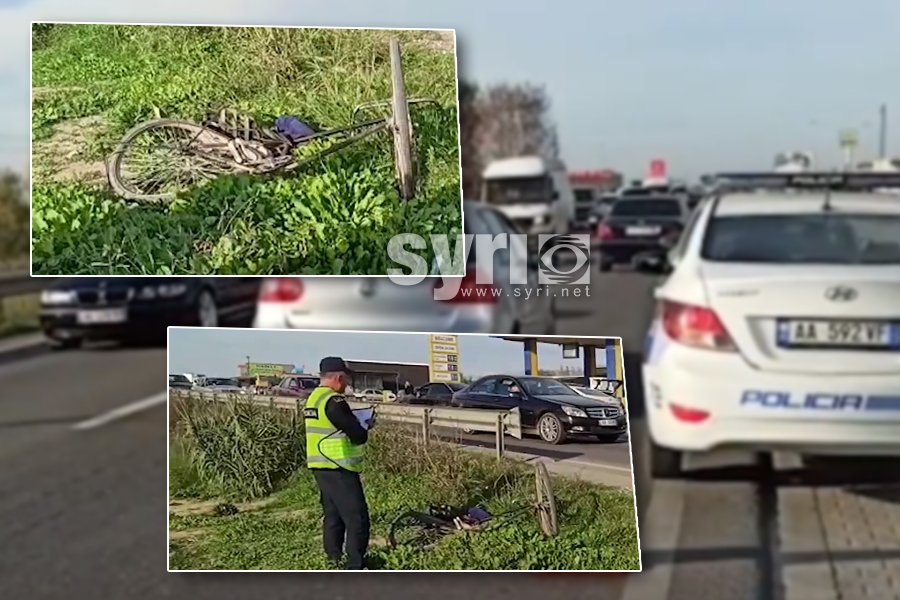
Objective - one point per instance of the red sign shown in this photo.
(657, 169)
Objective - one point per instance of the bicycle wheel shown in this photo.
(416, 529)
(546, 501)
(157, 159)
(403, 140)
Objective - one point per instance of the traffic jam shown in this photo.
(776, 320)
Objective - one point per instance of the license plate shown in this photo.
(608, 422)
(642, 230)
(105, 316)
(838, 334)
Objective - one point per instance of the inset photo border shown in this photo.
(422, 468)
(200, 150)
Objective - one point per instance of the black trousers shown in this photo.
(346, 515)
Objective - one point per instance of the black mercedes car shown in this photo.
(551, 409)
(435, 393)
(140, 308)
(637, 229)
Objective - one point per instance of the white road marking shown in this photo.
(121, 412)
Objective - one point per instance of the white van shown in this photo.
(533, 192)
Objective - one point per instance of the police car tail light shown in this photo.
(281, 289)
(695, 326)
(687, 414)
(471, 290)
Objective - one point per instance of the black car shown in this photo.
(433, 394)
(638, 228)
(140, 308)
(551, 409)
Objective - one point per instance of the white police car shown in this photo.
(778, 324)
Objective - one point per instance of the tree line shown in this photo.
(500, 121)
(13, 215)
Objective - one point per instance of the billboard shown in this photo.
(443, 358)
(266, 369)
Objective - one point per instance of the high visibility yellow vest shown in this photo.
(327, 447)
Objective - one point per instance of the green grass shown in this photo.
(334, 216)
(283, 529)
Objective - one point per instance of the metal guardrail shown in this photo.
(500, 423)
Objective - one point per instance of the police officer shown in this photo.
(334, 450)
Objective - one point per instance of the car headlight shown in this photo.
(574, 412)
(171, 290)
(540, 219)
(147, 293)
(58, 297)
(151, 292)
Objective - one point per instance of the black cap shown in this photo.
(334, 364)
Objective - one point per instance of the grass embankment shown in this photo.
(94, 82)
(19, 314)
(253, 457)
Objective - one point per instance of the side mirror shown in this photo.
(555, 195)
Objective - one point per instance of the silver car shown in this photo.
(379, 304)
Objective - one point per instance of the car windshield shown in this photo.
(826, 238)
(539, 386)
(518, 190)
(456, 386)
(646, 208)
(178, 379)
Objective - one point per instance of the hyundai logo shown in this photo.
(841, 293)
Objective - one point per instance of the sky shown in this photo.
(704, 84)
(218, 352)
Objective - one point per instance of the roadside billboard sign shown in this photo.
(443, 358)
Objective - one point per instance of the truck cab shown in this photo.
(532, 192)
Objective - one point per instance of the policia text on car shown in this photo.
(334, 450)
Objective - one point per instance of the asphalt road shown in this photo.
(83, 508)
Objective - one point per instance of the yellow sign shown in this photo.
(268, 369)
(443, 358)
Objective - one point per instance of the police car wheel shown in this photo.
(664, 463)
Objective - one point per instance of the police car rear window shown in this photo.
(824, 238)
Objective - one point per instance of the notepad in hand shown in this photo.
(364, 416)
